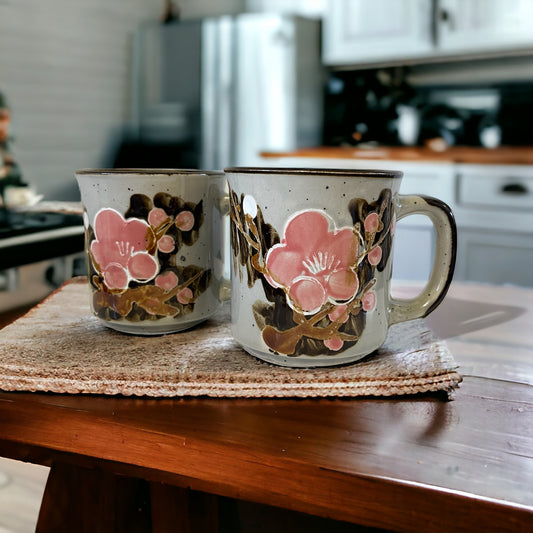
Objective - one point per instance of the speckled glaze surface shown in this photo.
(312, 262)
(154, 245)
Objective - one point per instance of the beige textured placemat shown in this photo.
(59, 347)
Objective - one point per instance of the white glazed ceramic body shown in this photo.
(312, 262)
(154, 244)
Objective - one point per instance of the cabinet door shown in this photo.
(495, 257)
(363, 31)
(484, 25)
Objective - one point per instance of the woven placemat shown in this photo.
(59, 347)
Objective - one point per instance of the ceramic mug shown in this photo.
(312, 260)
(154, 246)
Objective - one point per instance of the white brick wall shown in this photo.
(65, 68)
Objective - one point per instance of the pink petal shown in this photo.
(374, 256)
(185, 296)
(307, 294)
(342, 285)
(166, 244)
(185, 221)
(372, 223)
(342, 245)
(142, 266)
(307, 230)
(105, 253)
(167, 281)
(108, 225)
(334, 344)
(138, 234)
(339, 312)
(115, 277)
(117, 239)
(157, 216)
(284, 265)
(369, 301)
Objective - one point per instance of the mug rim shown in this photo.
(146, 171)
(373, 173)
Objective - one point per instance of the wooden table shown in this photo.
(407, 464)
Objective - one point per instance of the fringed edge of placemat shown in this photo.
(446, 382)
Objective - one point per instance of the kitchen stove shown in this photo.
(39, 250)
(32, 236)
(17, 223)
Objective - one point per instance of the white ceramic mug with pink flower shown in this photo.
(154, 243)
(312, 261)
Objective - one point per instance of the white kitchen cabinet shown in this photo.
(389, 31)
(495, 257)
(480, 26)
(494, 213)
(362, 31)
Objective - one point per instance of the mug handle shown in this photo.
(441, 275)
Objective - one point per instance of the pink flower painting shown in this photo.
(120, 249)
(319, 277)
(314, 263)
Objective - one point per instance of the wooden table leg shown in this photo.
(88, 500)
(179, 510)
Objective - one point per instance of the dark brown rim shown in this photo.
(374, 173)
(166, 171)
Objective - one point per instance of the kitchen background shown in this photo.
(72, 74)
(441, 89)
(407, 84)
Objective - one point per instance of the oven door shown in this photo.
(29, 284)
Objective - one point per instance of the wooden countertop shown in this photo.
(508, 155)
(403, 464)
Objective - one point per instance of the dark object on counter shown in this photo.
(444, 122)
(362, 108)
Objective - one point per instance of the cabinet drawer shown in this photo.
(509, 190)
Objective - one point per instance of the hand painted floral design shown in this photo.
(314, 263)
(368, 301)
(133, 268)
(185, 221)
(121, 247)
(167, 280)
(339, 313)
(318, 278)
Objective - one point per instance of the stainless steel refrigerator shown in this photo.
(216, 92)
